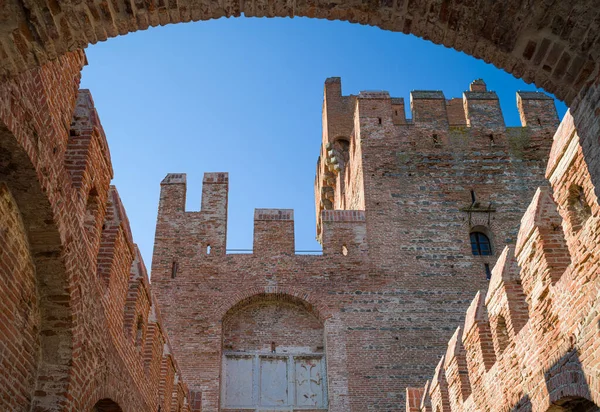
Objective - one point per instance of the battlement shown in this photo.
(360, 131)
(478, 108)
(206, 229)
(537, 314)
(274, 232)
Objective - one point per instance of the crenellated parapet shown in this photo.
(531, 343)
(359, 130)
(344, 231)
(98, 338)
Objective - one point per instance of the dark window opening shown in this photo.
(436, 140)
(473, 198)
(379, 119)
(491, 136)
(488, 272)
(174, 268)
(480, 244)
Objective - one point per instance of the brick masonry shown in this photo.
(554, 44)
(81, 328)
(531, 342)
(395, 207)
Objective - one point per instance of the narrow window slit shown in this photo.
(488, 272)
(174, 268)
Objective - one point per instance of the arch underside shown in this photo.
(55, 328)
(552, 44)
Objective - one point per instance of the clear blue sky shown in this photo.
(244, 96)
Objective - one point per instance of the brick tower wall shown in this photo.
(395, 210)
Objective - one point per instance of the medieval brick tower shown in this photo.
(412, 215)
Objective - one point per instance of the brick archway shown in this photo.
(51, 277)
(553, 45)
(292, 295)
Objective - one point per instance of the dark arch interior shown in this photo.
(107, 405)
(574, 404)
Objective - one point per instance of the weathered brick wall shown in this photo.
(532, 342)
(20, 311)
(554, 44)
(268, 325)
(79, 324)
(397, 269)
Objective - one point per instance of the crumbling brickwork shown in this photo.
(397, 201)
(531, 341)
(79, 326)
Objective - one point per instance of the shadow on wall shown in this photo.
(567, 387)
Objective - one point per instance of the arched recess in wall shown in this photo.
(54, 334)
(273, 355)
(106, 405)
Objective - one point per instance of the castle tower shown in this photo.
(412, 212)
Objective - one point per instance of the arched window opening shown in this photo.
(344, 250)
(480, 244)
(502, 334)
(273, 357)
(208, 249)
(579, 210)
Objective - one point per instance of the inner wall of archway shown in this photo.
(19, 311)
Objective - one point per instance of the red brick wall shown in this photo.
(19, 309)
(532, 342)
(395, 277)
(257, 326)
(70, 280)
